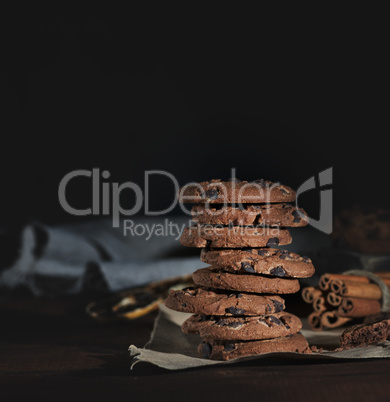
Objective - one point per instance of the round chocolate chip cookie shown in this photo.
(250, 214)
(268, 261)
(252, 283)
(225, 350)
(215, 302)
(236, 191)
(234, 236)
(242, 328)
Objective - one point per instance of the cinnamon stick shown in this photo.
(358, 307)
(334, 299)
(325, 279)
(309, 293)
(319, 304)
(361, 290)
(324, 282)
(385, 279)
(336, 285)
(383, 275)
(314, 320)
(331, 319)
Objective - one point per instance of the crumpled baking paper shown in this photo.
(170, 349)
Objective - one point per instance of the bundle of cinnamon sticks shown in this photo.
(341, 298)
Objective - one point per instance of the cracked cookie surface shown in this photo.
(252, 283)
(250, 214)
(218, 191)
(242, 328)
(268, 261)
(228, 350)
(234, 236)
(216, 302)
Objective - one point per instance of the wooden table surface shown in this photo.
(50, 350)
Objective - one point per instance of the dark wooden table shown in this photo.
(50, 350)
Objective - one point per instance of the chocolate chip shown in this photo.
(238, 295)
(306, 259)
(272, 242)
(212, 193)
(247, 267)
(278, 271)
(284, 254)
(268, 308)
(206, 350)
(203, 317)
(297, 216)
(283, 320)
(221, 323)
(235, 324)
(278, 305)
(235, 311)
(184, 304)
(275, 320)
(262, 252)
(229, 347)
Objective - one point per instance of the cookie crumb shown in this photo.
(314, 349)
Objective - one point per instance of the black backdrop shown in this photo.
(129, 93)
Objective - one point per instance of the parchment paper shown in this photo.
(170, 349)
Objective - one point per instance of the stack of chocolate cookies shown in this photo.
(235, 302)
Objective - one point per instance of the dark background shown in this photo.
(192, 96)
(280, 95)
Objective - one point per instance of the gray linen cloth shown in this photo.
(94, 256)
